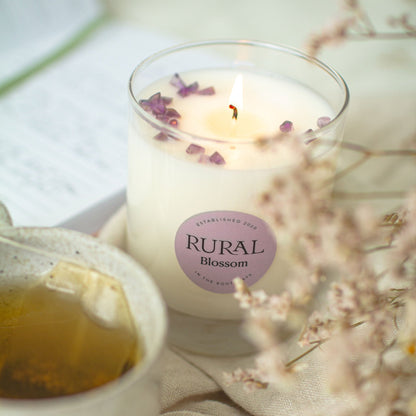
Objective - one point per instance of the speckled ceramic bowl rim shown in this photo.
(113, 388)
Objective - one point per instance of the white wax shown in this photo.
(266, 103)
(167, 185)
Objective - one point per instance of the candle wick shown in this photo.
(235, 111)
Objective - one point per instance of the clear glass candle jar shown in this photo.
(196, 172)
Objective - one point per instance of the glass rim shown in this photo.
(174, 131)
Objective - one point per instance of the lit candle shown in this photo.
(195, 179)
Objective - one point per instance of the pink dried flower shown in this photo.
(350, 4)
(317, 330)
(342, 373)
(379, 327)
(333, 34)
(276, 307)
(279, 306)
(250, 379)
(272, 367)
(250, 300)
(403, 252)
(359, 327)
(343, 299)
(403, 22)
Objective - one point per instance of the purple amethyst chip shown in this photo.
(204, 159)
(323, 121)
(217, 159)
(185, 90)
(172, 113)
(156, 105)
(193, 149)
(207, 91)
(162, 137)
(286, 126)
(177, 82)
(190, 89)
(312, 138)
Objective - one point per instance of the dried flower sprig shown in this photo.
(403, 22)
(333, 251)
(357, 25)
(363, 266)
(271, 365)
(357, 298)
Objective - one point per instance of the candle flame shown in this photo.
(236, 95)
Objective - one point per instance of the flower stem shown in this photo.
(380, 36)
(299, 357)
(369, 195)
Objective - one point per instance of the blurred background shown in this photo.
(65, 64)
(286, 22)
(278, 21)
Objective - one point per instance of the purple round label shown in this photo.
(214, 247)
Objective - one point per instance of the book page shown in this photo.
(31, 29)
(63, 135)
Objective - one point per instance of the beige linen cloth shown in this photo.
(193, 385)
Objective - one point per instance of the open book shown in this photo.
(64, 110)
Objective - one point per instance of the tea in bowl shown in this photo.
(82, 326)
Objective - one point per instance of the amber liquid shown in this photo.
(50, 346)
